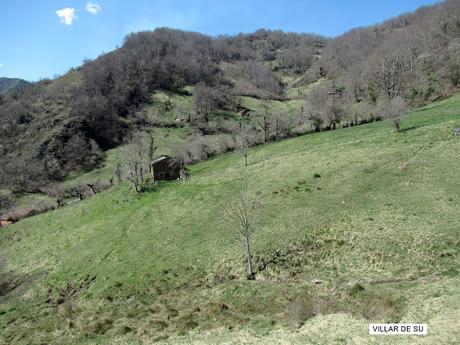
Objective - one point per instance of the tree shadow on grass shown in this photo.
(407, 129)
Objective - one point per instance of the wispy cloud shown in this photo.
(1, 65)
(93, 8)
(67, 15)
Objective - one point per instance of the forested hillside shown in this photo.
(12, 84)
(279, 84)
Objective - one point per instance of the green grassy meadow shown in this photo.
(374, 237)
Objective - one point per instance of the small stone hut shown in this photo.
(165, 168)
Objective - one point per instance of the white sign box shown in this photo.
(398, 329)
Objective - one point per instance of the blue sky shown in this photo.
(44, 38)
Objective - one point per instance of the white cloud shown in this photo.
(1, 65)
(67, 15)
(93, 8)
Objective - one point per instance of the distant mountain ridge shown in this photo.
(7, 84)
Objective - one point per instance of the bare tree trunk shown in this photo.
(182, 173)
(152, 149)
(267, 129)
(244, 138)
(265, 125)
(397, 125)
(277, 128)
(91, 187)
(251, 274)
(79, 193)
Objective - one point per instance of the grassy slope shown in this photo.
(384, 214)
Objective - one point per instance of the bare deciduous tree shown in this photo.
(118, 173)
(152, 149)
(354, 82)
(312, 116)
(239, 211)
(324, 105)
(283, 123)
(245, 141)
(182, 157)
(389, 70)
(198, 148)
(136, 160)
(203, 101)
(394, 110)
(264, 123)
